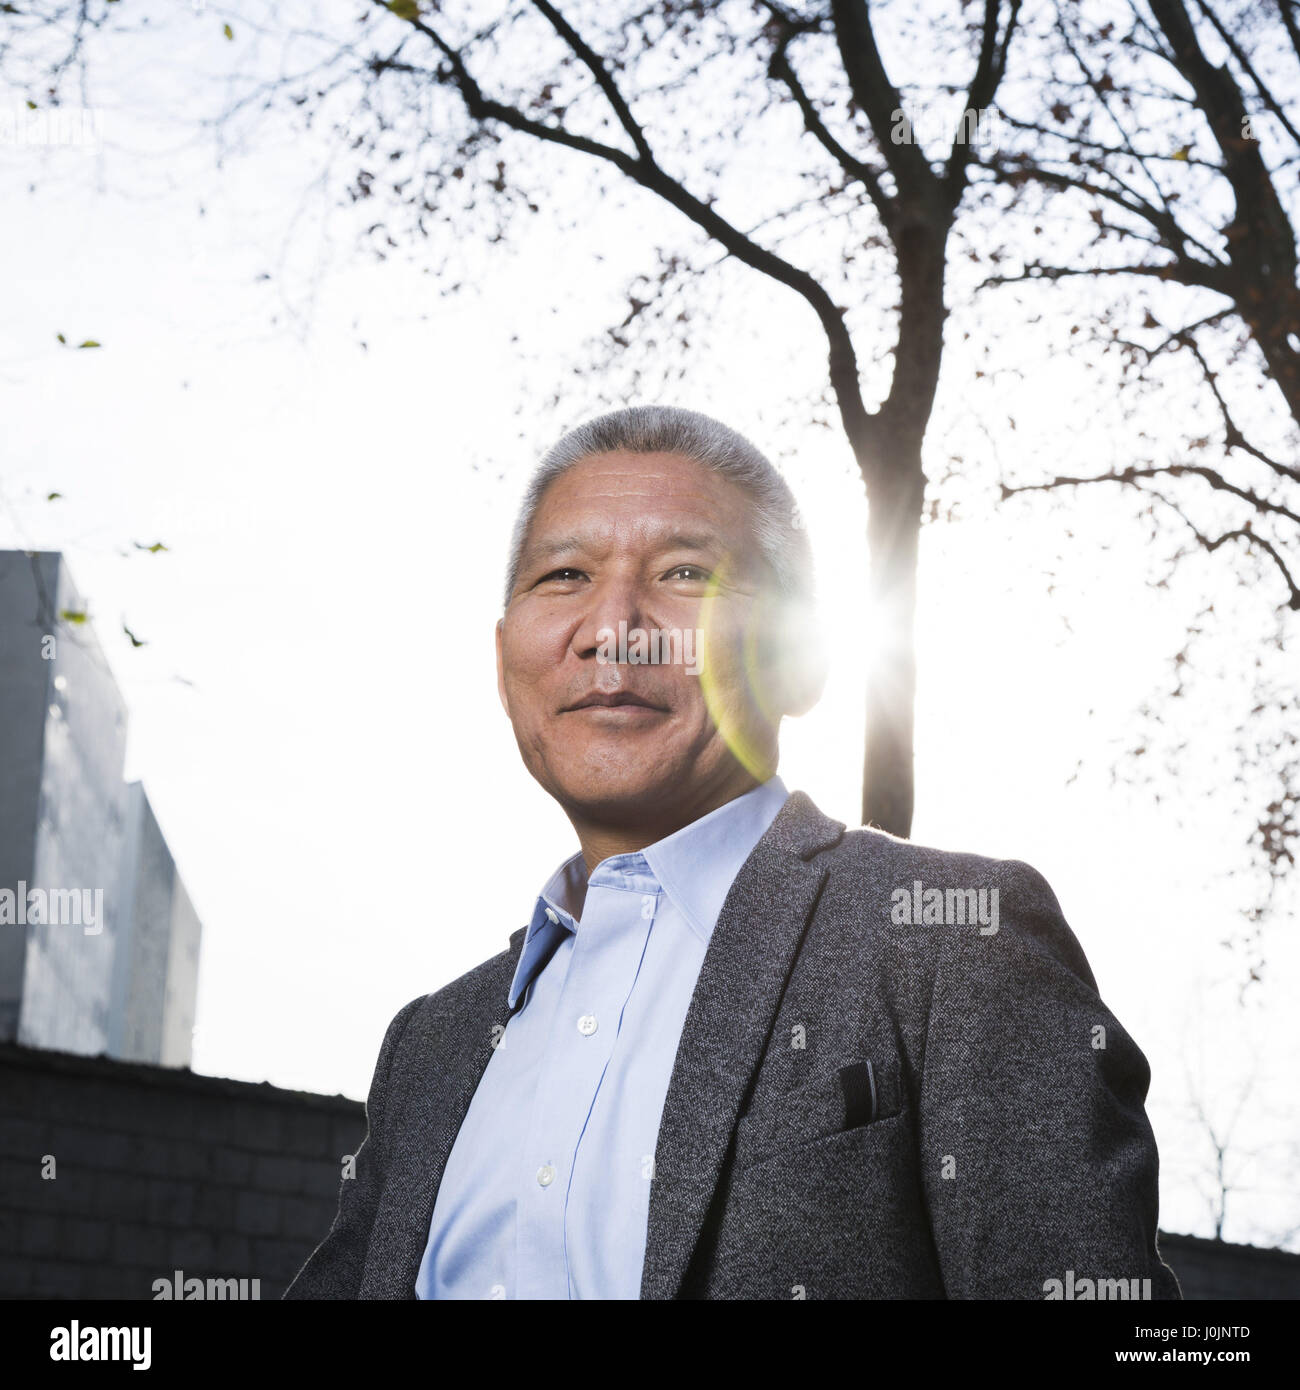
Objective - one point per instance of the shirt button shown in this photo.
(545, 1175)
(552, 917)
(587, 1025)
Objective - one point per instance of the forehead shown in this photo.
(625, 498)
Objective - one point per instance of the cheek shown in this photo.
(735, 692)
(532, 649)
(728, 657)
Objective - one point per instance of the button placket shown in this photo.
(583, 1035)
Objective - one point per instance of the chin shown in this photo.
(620, 800)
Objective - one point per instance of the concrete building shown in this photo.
(98, 940)
(156, 965)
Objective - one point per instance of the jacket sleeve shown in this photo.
(1038, 1161)
(334, 1268)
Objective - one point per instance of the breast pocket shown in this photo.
(854, 1095)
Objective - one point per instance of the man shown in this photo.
(737, 1051)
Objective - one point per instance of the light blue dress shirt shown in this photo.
(547, 1189)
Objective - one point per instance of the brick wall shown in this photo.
(1215, 1269)
(157, 1170)
(160, 1170)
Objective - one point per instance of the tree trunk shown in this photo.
(893, 533)
(890, 462)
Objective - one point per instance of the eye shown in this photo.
(562, 576)
(693, 574)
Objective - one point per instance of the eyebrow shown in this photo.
(679, 540)
(536, 553)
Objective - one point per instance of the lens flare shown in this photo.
(736, 685)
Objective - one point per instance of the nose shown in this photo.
(612, 600)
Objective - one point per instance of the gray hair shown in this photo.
(662, 429)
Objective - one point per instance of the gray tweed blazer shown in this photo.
(859, 1107)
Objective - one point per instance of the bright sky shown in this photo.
(315, 716)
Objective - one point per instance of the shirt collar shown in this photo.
(695, 867)
(550, 920)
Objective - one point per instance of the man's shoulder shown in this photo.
(904, 893)
(882, 884)
(804, 828)
(874, 856)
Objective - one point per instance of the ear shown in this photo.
(501, 669)
(806, 669)
(799, 665)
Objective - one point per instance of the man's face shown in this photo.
(655, 542)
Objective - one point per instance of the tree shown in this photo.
(1165, 151)
(619, 87)
(457, 122)
(43, 45)
(1166, 135)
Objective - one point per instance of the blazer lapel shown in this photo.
(426, 1106)
(734, 1005)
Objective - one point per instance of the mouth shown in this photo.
(617, 703)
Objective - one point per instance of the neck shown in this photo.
(600, 840)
